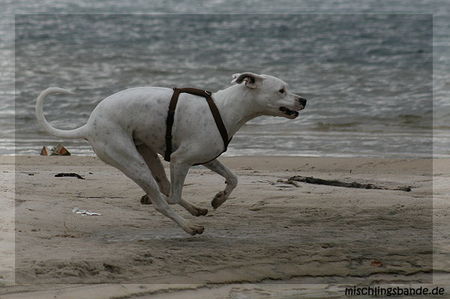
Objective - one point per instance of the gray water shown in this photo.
(368, 77)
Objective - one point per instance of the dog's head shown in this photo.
(271, 94)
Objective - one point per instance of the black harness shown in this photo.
(214, 111)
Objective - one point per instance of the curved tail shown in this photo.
(75, 133)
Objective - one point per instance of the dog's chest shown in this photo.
(194, 126)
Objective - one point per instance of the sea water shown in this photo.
(368, 77)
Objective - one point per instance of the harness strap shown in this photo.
(169, 123)
(171, 115)
(220, 125)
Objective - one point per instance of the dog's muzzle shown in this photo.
(293, 113)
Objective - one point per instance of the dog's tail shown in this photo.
(75, 133)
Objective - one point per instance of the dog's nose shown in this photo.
(302, 101)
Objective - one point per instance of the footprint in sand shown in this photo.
(257, 206)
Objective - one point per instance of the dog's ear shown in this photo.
(251, 80)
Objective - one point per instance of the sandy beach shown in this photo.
(274, 236)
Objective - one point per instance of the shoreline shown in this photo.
(292, 233)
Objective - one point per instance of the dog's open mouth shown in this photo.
(288, 112)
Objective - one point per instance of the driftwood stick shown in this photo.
(312, 180)
(71, 174)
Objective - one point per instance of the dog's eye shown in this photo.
(282, 90)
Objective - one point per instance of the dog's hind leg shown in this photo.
(121, 153)
(230, 179)
(157, 169)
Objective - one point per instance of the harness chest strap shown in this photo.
(171, 115)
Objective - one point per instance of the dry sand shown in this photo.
(270, 238)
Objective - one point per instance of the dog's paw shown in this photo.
(219, 199)
(145, 200)
(200, 212)
(195, 229)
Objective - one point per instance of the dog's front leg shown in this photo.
(230, 179)
(157, 169)
(178, 172)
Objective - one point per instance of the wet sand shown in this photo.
(306, 238)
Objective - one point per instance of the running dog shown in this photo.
(130, 128)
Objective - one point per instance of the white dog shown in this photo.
(128, 130)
